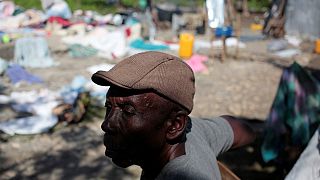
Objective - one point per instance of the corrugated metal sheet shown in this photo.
(303, 18)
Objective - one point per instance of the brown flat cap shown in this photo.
(166, 74)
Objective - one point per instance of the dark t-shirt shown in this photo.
(207, 139)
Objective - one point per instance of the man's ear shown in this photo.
(176, 126)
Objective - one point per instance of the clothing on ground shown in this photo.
(32, 52)
(16, 74)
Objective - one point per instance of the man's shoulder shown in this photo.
(214, 133)
(185, 171)
(195, 164)
(209, 124)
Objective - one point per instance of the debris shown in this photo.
(140, 44)
(56, 8)
(33, 52)
(110, 44)
(196, 63)
(293, 40)
(3, 65)
(29, 125)
(6, 8)
(79, 51)
(287, 53)
(277, 45)
(16, 74)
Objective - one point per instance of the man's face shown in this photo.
(133, 126)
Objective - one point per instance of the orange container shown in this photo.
(186, 45)
(256, 27)
(317, 47)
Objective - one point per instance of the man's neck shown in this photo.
(153, 167)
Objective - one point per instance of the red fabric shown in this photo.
(128, 32)
(63, 22)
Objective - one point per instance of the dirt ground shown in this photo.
(243, 87)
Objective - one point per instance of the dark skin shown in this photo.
(144, 128)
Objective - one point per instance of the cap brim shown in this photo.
(102, 78)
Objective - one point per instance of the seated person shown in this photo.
(147, 120)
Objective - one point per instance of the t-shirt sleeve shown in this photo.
(182, 174)
(218, 133)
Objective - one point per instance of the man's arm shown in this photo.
(243, 133)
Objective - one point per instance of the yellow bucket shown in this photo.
(317, 46)
(256, 27)
(186, 45)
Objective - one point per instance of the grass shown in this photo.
(101, 6)
(95, 5)
(258, 5)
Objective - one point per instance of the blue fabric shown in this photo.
(226, 31)
(140, 44)
(16, 74)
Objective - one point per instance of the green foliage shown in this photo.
(29, 4)
(130, 3)
(188, 3)
(96, 5)
(258, 5)
(101, 6)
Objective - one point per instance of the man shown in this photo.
(147, 123)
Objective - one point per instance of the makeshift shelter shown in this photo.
(293, 17)
(303, 18)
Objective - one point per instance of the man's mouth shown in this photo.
(111, 148)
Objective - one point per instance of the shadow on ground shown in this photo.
(81, 158)
(247, 163)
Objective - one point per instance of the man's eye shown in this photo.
(128, 110)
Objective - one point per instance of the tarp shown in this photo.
(294, 115)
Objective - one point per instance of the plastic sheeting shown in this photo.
(3, 65)
(56, 8)
(111, 44)
(29, 125)
(307, 167)
(33, 52)
(39, 103)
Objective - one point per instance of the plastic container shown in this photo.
(317, 46)
(186, 45)
(256, 27)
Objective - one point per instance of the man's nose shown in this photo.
(110, 123)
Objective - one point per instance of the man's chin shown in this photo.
(124, 163)
(118, 159)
